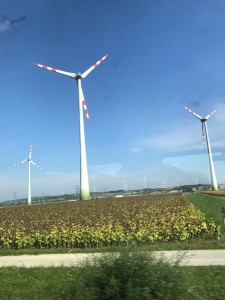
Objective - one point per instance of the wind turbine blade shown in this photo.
(36, 165)
(84, 104)
(73, 75)
(203, 135)
(20, 163)
(30, 152)
(94, 66)
(193, 113)
(209, 115)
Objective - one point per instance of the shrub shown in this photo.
(136, 276)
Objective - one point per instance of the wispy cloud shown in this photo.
(188, 136)
(48, 183)
(108, 169)
(6, 25)
(135, 149)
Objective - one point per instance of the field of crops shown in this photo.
(94, 223)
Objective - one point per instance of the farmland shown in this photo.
(97, 223)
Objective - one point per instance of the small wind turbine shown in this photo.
(84, 184)
(196, 180)
(29, 162)
(204, 129)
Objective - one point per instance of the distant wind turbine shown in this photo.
(84, 184)
(204, 129)
(196, 179)
(29, 162)
(146, 181)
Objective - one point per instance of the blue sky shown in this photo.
(162, 55)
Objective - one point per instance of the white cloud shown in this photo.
(4, 26)
(48, 183)
(188, 136)
(135, 149)
(108, 169)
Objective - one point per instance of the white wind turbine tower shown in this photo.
(29, 162)
(146, 181)
(84, 184)
(204, 129)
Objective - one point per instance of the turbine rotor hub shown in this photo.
(78, 76)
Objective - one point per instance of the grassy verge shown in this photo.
(207, 282)
(132, 278)
(186, 245)
(210, 206)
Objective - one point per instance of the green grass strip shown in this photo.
(129, 278)
(210, 206)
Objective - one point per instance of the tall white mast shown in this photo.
(29, 187)
(212, 169)
(84, 183)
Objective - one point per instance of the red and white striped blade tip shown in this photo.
(45, 67)
(30, 152)
(100, 60)
(39, 167)
(20, 163)
(94, 66)
(69, 74)
(86, 110)
(209, 115)
(203, 135)
(36, 165)
(193, 113)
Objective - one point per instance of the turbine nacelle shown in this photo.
(203, 120)
(78, 76)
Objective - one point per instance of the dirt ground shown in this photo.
(185, 258)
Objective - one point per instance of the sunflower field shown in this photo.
(105, 222)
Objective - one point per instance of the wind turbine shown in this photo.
(29, 162)
(196, 179)
(204, 129)
(84, 184)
